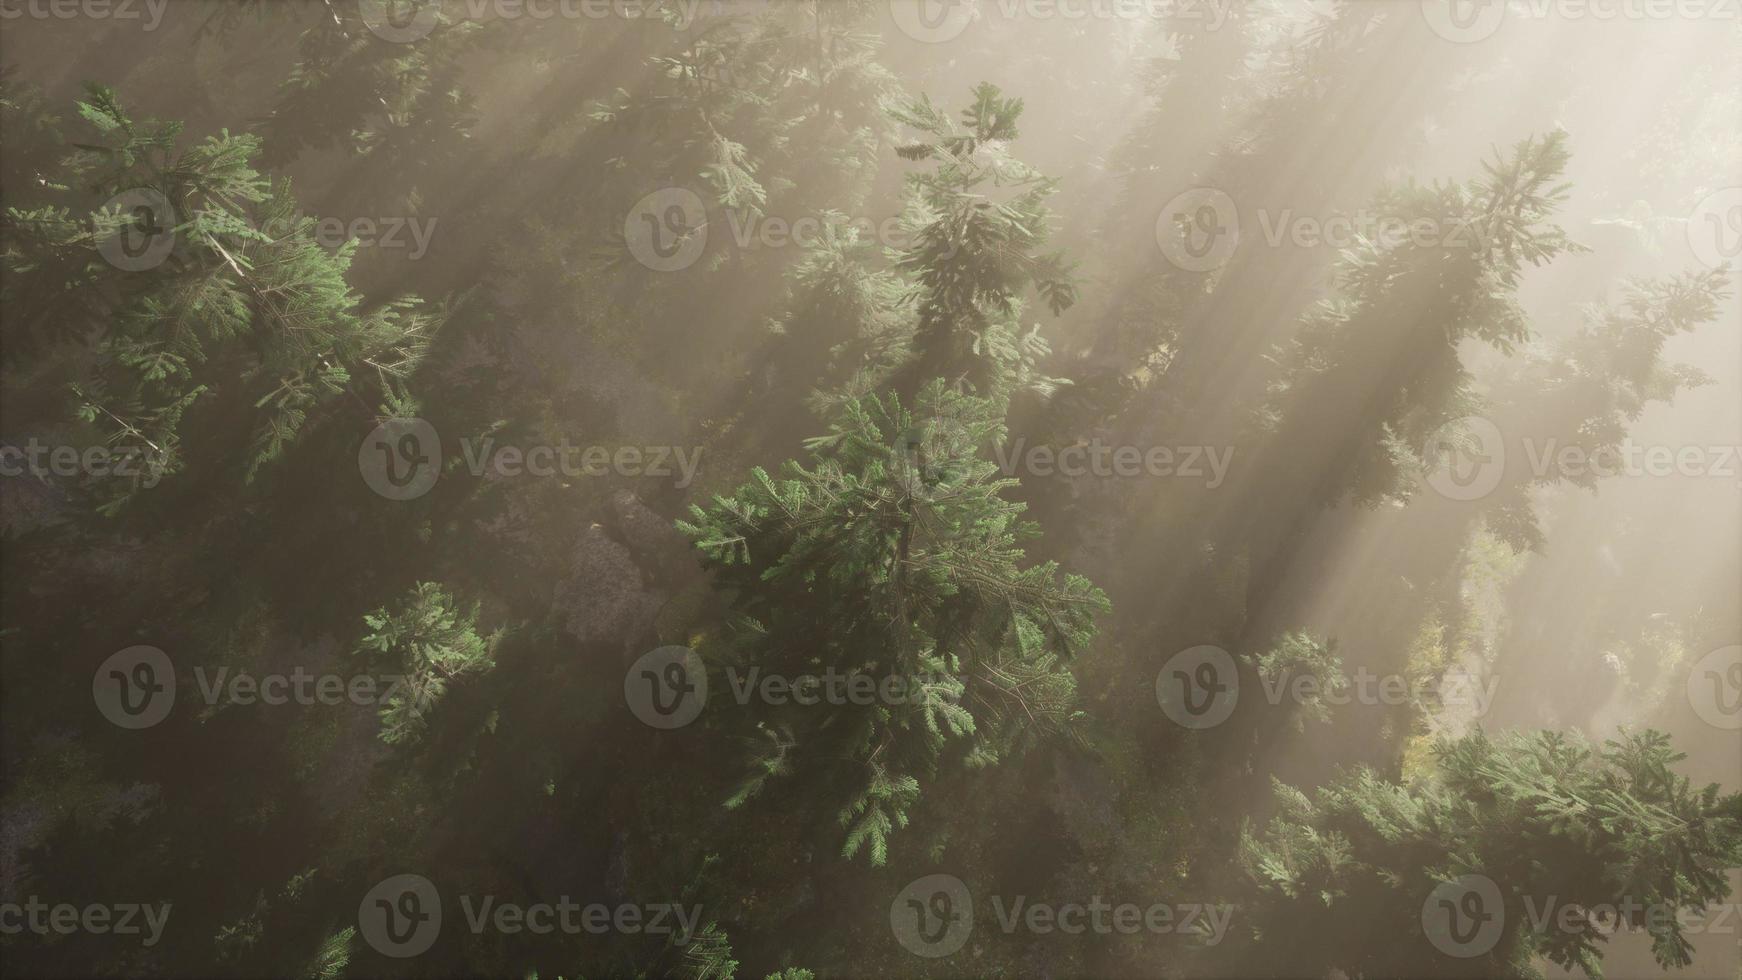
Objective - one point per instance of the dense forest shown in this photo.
(870, 488)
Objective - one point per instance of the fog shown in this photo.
(1362, 270)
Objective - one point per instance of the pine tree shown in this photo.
(1342, 877)
(845, 323)
(430, 641)
(1583, 393)
(247, 310)
(893, 556)
(973, 255)
(1292, 658)
(334, 955)
(1375, 371)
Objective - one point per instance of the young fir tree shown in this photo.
(766, 118)
(429, 641)
(1586, 391)
(979, 220)
(843, 316)
(756, 109)
(1299, 658)
(334, 954)
(893, 558)
(156, 278)
(1375, 371)
(1338, 882)
(401, 103)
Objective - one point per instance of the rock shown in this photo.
(655, 540)
(604, 599)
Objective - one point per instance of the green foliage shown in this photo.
(894, 556)
(742, 106)
(401, 105)
(891, 551)
(330, 960)
(1298, 656)
(1584, 392)
(973, 255)
(842, 316)
(431, 641)
(770, 759)
(238, 939)
(707, 956)
(1545, 816)
(1375, 371)
(248, 310)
